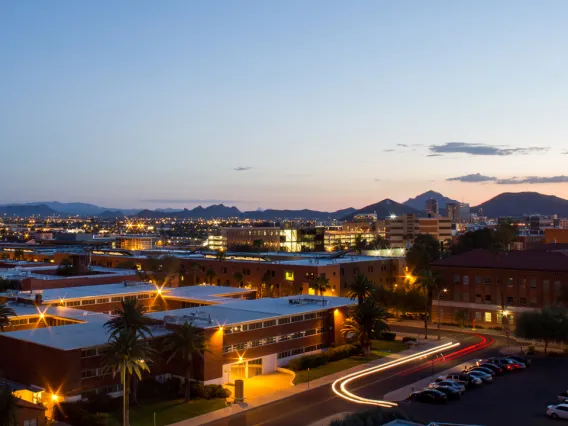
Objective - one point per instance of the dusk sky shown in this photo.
(281, 104)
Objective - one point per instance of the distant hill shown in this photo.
(384, 209)
(27, 210)
(109, 214)
(419, 201)
(210, 212)
(80, 209)
(305, 214)
(521, 203)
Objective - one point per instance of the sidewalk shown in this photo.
(295, 390)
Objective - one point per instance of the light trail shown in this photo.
(340, 389)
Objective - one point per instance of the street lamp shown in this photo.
(439, 294)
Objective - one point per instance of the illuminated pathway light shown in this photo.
(340, 385)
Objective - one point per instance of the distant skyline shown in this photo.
(282, 104)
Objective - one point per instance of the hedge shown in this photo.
(333, 354)
(388, 335)
(406, 339)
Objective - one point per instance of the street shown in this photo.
(313, 405)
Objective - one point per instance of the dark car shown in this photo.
(449, 391)
(526, 361)
(464, 379)
(493, 367)
(483, 370)
(562, 396)
(508, 364)
(430, 396)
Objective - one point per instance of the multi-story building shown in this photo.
(487, 285)
(538, 223)
(60, 352)
(265, 238)
(402, 230)
(136, 242)
(555, 236)
(465, 213)
(431, 207)
(453, 210)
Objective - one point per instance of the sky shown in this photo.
(281, 104)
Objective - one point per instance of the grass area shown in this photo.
(168, 412)
(380, 349)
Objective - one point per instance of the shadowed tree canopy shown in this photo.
(425, 250)
(549, 324)
(486, 238)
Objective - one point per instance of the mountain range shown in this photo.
(506, 204)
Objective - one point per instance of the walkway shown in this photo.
(257, 386)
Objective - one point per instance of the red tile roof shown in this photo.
(530, 260)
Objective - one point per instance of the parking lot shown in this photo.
(516, 398)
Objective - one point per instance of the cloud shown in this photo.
(482, 149)
(377, 180)
(402, 145)
(477, 177)
(242, 169)
(530, 180)
(434, 155)
(388, 150)
(188, 201)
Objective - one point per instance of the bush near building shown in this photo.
(334, 354)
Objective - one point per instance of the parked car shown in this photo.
(559, 411)
(526, 361)
(508, 363)
(449, 391)
(487, 378)
(457, 386)
(464, 379)
(483, 370)
(431, 396)
(562, 396)
(493, 367)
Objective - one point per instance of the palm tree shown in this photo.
(130, 317)
(265, 281)
(209, 275)
(194, 268)
(320, 285)
(220, 255)
(5, 314)
(183, 344)
(8, 407)
(366, 320)
(238, 276)
(360, 289)
(129, 356)
(427, 282)
(563, 295)
(461, 317)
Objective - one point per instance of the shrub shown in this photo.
(333, 354)
(407, 339)
(531, 350)
(199, 390)
(388, 335)
(99, 402)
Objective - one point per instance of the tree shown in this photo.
(5, 314)
(360, 289)
(221, 255)
(209, 275)
(563, 296)
(238, 277)
(360, 243)
(548, 324)
(258, 245)
(131, 318)
(461, 317)
(424, 251)
(320, 284)
(427, 282)
(366, 320)
(265, 281)
(66, 267)
(161, 270)
(8, 407)
(194, 268)
(183, 344)
(18, 254)
(379, 243)
(129, 356)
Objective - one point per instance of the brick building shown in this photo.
(485, 284)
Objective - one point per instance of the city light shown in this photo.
(392, 216)
(54, 398)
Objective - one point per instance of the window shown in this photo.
(488, 299)
(289, 275)
(297, 335)
(284, 354)
(557, 285)
(510, 300)
(31, 422)
(522, 301)
(88, 302)
(256, 343)
(487, 316)
(310, 332)
(284, 321)
(523, 283)
(456, 279)
(310, 316)
(99, 301)
(116, 299)
(86, 374)
(466, 280)
(255, 326)
(270, 340)
(510, 282)
(478, 298)
(240, 346)
(227, 349)
(322, 314)
(284, 337)
(297, 318)
(297, 351)
(487, 280)
(144, 296)
(320, 330)
(73, 303)
(546, 285)
(465, 296)
(477, 280)
(532, 283)
(532, 302)
(478, 316)
(87, 353)
(270, 323)
(310, 348)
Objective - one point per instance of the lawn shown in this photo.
(172, 411)
(380, 349)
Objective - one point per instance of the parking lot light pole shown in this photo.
(439, 294)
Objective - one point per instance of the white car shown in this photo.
(559, 411)
(449, 383)
(480, 375)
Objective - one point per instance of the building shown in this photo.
(555, 236)
(453, 212)
(136, 242)
(486, 284)
(537, 223)
(245, 338)
(402, 230)
(261, 238)
(431, 207)
(465, 213)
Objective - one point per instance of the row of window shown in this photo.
(510, 282)
(102, 391)
(73, 303)
(487, 299)
(299, 351)
(270, 340)
(95, 372)
(272, 323)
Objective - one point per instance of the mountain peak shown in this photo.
(418, 201)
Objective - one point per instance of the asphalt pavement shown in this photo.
(311, 406)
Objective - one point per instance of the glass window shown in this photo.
(465, 296)
(477, 280)
(99, 301)
(297, 318)
(546, 285)
(522, 301)
(310, 316)
(284, 320)
(510, 300)
(478, 316)
(510, 282)
(270, 323)
(487, 316)
(289, 275)
(522, 283)
(466, 280)
(532, 283)
(488, 299)
(456, 278)
(487, 280)
(478, 298)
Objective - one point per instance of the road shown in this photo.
(311, 406)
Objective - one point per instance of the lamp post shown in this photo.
(439, 294)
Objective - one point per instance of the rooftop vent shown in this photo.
(308, 301)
